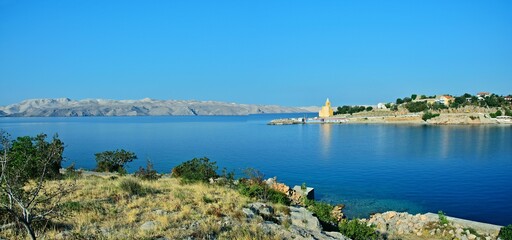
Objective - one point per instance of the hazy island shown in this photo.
(467, 109)
(65, 107)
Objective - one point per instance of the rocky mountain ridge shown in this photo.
(65, 107)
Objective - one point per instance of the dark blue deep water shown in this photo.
(465, 171)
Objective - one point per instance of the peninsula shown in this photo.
(482, 108)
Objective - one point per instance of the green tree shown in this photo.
(423, 97)
(508, 112)
(399, 101)
(414, 96)
(416, 106)
(197, 169)
(30, 160)
(343, 110)
(460, 100)
(369, 109)
(428, 115)
(31, 154)
(113, 161)
(492, 101)
(407, 99)
(438, 106)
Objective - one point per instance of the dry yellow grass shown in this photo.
(101, 209)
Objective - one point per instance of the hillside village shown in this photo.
(482, 108)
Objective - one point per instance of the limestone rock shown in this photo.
(262, 209)
(147, 226)
(303, 218)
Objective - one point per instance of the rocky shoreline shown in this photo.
(443, 119)
(394, 225)
(431, 225)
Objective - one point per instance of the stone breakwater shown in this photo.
(430, 226)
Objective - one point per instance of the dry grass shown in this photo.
(101, 209)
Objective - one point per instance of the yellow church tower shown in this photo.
(326, 110)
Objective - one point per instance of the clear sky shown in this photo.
(293, 53)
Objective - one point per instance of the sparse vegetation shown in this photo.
(132, 187)
(442, 218)
(148, 173)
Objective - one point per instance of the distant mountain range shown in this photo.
(65, 107)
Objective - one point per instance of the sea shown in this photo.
(464, 171)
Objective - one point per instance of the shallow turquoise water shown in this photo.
(465, 171)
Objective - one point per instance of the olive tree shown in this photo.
(113, 161)
(26, 165)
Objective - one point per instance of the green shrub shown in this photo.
(113, 161)
(428, 115)
(323, 211)
(72, 173)
(263, 192)
(357, 230)
(71, 206)
(132, 187)
(442, 218)
(29, 155)
(147, 173)
(195, 170)
(506, 232)
(416, 106)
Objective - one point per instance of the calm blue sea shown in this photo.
(465, 171)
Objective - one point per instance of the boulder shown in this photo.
(303, 218)
(147, 226)
(262, 209)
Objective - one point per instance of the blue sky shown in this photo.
(293, 53)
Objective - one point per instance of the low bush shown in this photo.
(428, 115)
(323, 211)
(263, 192)
(148, 173)
(506, 232)
(132, 187)
(356, 230)
(72, 173)
(442, 218)
(195, 170)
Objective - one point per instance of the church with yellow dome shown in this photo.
(326, 110)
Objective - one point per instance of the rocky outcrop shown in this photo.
(298, 224)
(65, 107)
(430, 226)
(462, 119)
(296, 195)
